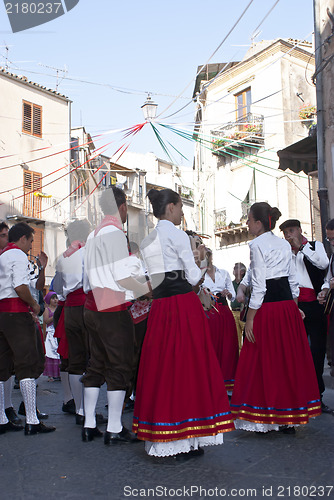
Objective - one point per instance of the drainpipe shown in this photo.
(323, 191)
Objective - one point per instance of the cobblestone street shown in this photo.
(60, 465)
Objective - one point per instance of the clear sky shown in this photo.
(142, 46)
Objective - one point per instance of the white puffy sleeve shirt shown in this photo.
(14, 271)
(270, 257)
(168, 249)
(106, 260)
(69, 272)
(222, 281)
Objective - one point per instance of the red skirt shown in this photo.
(180, 389)
(225, 341)
(275, 380)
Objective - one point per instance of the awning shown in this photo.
(300, 156)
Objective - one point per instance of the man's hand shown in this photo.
(241, 297)
(322, 295)
(42, 260)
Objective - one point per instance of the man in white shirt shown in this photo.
(17, 328)
(311, 266)
(327, 287)
(107, 276)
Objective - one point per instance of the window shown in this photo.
(243, 102)
(32, 119)
(32, 183)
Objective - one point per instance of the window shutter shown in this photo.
(27, 117)
(32, 182)
(37, 121)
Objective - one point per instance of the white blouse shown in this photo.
(270, 257)
(168, 249)
(222, 281)
(14, 271)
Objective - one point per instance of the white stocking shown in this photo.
(28, 391)
(115, 407)
(76, 387)
(3, 418)
(8, 387)
(66, 387)
(91, 395)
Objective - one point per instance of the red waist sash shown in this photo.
(76, 298)
(13, 305)
(105, 297)
(307, 295)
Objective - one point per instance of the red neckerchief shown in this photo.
(296, 250)
(74, 247)
(10, 246)
(109, 220)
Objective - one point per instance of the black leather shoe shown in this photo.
(125, 436)
(326, 409)
(10, 426)
(69, 407)
(40, 428)
(12, 416)
(100, 419)
(184, 457)
(40, 415)
(287, 430)
(79, 419)
(88, 434)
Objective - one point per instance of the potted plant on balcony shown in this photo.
(306, 114)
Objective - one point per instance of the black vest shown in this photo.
(316, 275)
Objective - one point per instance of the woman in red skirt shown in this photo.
(181, 401)
(276, 386)
(221, 321)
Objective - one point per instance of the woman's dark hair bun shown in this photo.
(160, 199)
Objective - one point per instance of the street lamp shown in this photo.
(149, 109)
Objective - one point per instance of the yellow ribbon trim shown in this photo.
(185, 429)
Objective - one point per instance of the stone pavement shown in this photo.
(61, 466)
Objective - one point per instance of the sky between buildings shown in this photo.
(139, 47)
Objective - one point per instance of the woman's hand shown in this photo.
(249, 330)
(302, 314)
(226, 293)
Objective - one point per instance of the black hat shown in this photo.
(290, 223)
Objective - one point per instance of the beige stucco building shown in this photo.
(246, 112)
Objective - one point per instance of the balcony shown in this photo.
(247, 132)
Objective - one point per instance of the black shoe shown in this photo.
(40, 428)
(88, 434)
(125, 436)
(326, 409)
(79, 419)
(69, 407)
(287, 430)
(10, 426)
(12, 416)
(40, 415)
(100, 419)
(129, 406)
(184, 457)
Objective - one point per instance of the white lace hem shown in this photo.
(181, 446)
(255, 427)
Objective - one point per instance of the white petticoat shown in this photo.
(245, 425)
(181, 446)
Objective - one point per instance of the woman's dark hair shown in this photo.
(78, 230)
(20, 229)
(160, 199)
(266, 214)
(111, 199)
(330, 225)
